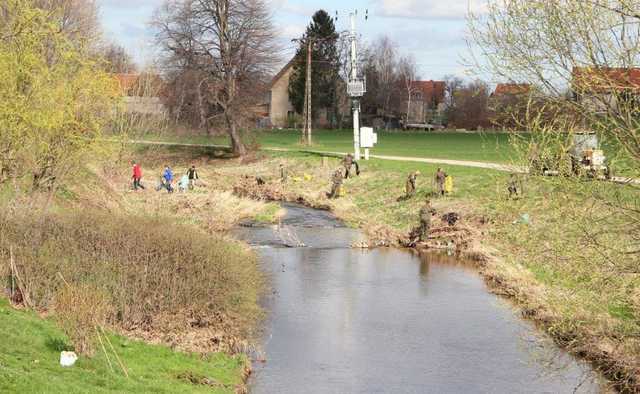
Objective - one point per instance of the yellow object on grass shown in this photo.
(448, 184)
(296, 179)
(307, 177)
(342, 192)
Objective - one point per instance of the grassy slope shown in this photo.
(488, 147)
(29, 362)
(374, 194)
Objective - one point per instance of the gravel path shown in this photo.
(463, 163)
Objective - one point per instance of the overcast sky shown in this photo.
(432, 30)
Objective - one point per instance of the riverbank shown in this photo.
(588, 310)
(172, 286)
(540, 262)
(30, 352)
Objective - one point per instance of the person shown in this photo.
(283, 174)
(410, 184)
(347, 163)
(440, 179)
(167, 179)
(425, 220)
(513, 186)
(336, 184)
(184, 183)
(193, 176)
(137, 176)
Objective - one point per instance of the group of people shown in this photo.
(443, 182)
(187, 181)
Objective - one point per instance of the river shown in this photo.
(343, 320)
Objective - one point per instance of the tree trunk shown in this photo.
(237, 146)
(201, 109)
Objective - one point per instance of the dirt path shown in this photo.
(464, 163)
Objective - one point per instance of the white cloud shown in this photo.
(432, 9)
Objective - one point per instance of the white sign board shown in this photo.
(355, 88)
(367, 137)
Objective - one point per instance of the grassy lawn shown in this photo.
(29, 363)
(487, 147)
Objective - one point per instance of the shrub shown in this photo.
(152, 271)
(80, 310)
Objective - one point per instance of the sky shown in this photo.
(433, 31)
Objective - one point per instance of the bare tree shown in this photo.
(385, 60)
(471, 109)
(231, 43)
(407, 69)
(78, 19)
(117, 60)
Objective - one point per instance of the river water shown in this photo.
(343, 320)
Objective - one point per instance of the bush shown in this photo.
(151, 270)
(80, 310)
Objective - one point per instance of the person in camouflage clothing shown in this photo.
(410, 185)
(349, 162)
(425, 220)
(336, 184)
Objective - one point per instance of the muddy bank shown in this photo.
(469, 235)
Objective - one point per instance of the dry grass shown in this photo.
(81, 310)
(160, 277)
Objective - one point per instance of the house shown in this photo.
(141, 93)
(426, 103)
(510, 90)
(603, 88)
(281, 111)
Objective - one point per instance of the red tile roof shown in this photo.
(604, 79)
(511, 89)
(431, 90)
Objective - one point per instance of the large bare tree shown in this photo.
(230, 45)
(385, 60)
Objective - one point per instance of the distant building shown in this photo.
(511, 89)
(141, 93)
(427, 102)
(603, 88)
(281, 111)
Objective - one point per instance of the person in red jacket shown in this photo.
(137, 176)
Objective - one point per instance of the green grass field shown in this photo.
(29, 363)
(487, 147)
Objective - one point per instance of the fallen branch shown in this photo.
(14, 274)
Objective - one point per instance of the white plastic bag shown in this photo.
(67, 359)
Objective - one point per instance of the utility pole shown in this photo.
(355, 87)
(307, 114)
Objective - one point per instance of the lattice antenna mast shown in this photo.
(356, 87)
